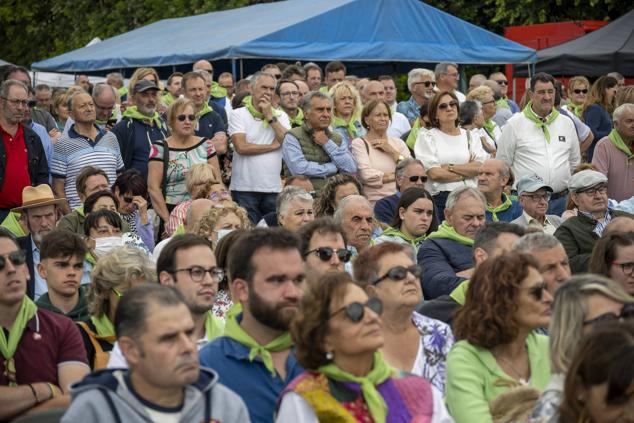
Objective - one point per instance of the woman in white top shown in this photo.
(451, 155)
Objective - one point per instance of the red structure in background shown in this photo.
(541, 36)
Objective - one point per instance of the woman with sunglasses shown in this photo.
(451, 154)
(578, 88)
(415, 218)
(336, 188)
(376, 153)
(413, 342)
(184, 149)
(346, 112)
(338, 335)
(579, 304)
(130, 189)
(598, 109)
(613, 257)
(498, 348)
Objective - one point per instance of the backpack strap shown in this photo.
(101, 356)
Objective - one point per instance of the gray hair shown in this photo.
(536, 241)
(403, 164)
(497, 92)
(469, 109)
(115, 76)
(458, 193)
(258, 75)
(307, 100)
(496, 74)
(442, 67)
(478, 77)
(341, 207)
(416, 74)
(6, 87)
(621, 110)
(71, 99)
(616, 76)
(288, 195)
(99, 88)
(42, 87)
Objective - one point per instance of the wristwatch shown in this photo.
(272, 120)
(450, 167)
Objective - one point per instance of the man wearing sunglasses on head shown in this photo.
(41, 352)
(408, 173)
(421, 84)
(323, 247)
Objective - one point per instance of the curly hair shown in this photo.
(487, 318)
(325, 202)
(310, 325)
(206, 226)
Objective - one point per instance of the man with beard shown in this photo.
(323, 247)
(140, 125)
(254, 357)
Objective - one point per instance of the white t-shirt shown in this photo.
(435, 148)
(261, 172)
(461, 97)
(399, 125)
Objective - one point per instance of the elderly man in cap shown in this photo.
(140, 125)
(534, 195)
(578, 234)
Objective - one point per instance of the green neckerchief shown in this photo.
(167, 99)
(180, 229)
(323, 89)
(506, 204)
(214, 327)
(234, 331)
(298, 119)
(80, 211)
(217, 91)
(206, 109)
(460, 293)
(12, 223)
(448, 232)
(133, 113)
(349, 125)
(8, 347)
(577, 109)
(113, 115)
(413, 134)
(530, 115)
(390, 231)
(380, 372)
(248, 103)
(104, 326)
(618, 142)
(122, 91)
(503, 103)
(489, 126)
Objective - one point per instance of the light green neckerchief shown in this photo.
(122, 91)
(391, 231)
(113, 115)
(80, 211)
(530, 115)
(104, 326)
(12, 223)
(618, 142)
(167, 99)
(298, 119)
(504, 206)
(180, 229)
(214, 327)
(349, 125)
(413, 134)
(248, 103)
(448, 232)
(577, 109)
(133, 113)
(380, 372)
(8, 347)
(217, 91)
(234, 331)
(503, 103)
(206, 109)
(489, 126)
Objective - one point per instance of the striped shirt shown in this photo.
(72, 152)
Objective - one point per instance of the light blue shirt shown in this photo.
(340, 156)
(46, 143)
(410, 108)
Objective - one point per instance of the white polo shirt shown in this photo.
(399, 125)
(524, 147)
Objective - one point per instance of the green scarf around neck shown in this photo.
(503, 103)
(413, 134)
(448, 232)
(577, 109)
(543, 124)
(217, 91)
(133, 113)
(391, 231)
(205, 109)
(489, 126)
(234, 331)
(506, 204)
(104, 326)
(214, 327)
(349, 125)
(167, 99)
(298, 119)
(618, 142)
(380, 372)
(8, 346)
(248, 103)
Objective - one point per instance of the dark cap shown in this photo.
(144, 85)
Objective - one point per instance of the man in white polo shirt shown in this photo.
(541, 141)
(257, 131)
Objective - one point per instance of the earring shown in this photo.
(329, 355)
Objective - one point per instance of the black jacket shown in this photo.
(25, 244)
(38, 165)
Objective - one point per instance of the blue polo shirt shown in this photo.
(249, 379)
(209, 124)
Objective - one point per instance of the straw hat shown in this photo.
(41, 195)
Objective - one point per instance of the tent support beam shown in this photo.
(234, 70)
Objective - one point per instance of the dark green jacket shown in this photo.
(79, 313)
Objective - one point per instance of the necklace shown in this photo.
(518, 374)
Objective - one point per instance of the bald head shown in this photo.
(373, 90)
(195, 212)
(203, 65)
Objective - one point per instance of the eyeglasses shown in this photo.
(398, 273)
(627, 312)
(15, 102)
(128, 199)
(537, 291)
(222, 195)
(290, 94)
(427, 84)
(444, 106)
(325, 253)
(415, 178)
(627, 268)
(454, 75)
(488, 102)
(538, 197)
(601, 189)
(356, 310)
(502, 82)
(578, 91)
(182, 118)
(197, 273)
(16, 258)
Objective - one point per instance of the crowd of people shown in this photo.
(298, 246)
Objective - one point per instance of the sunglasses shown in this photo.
(427, 84)
(182, 118)
(444, 106)
(356, 310)
(502, 82)
(398, 273)
(128, 199)
(578, 91)
(537, 291)
(325, 254)
(16, 258)
(415, 178)
(627, 312)
(219, 195)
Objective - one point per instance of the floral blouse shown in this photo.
(436, 340)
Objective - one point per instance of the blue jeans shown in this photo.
(557, 206)
(257, 204)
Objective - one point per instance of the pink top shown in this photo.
(177, 217)
(613, 163)
(373, 163)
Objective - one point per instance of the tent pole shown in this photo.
(241, 69)
(234, 70)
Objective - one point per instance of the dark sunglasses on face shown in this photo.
(182, 118)
(444, 106)
(502, 82)
(356, 310)
(415, 178)
(427, 84)
(128, 199)
(325, 254)
(537, 291)
(578, 91)
(627, 312)
(398, 273)
(17, 258)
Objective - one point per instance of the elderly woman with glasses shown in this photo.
(451, 155)
(578, 88)
(579, 304)
(338, 336)
(413, 343)
(498, 348)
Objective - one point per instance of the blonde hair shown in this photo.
(198, 174)
(479, 93)
(176, 107)
(206, 226)
(577, 80)
(625, 95)
(139, 74)
(339, 90)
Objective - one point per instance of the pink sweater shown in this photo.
(613, 163)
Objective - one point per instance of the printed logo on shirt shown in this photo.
(562, 138)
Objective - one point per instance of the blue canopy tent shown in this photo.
(349, 30)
